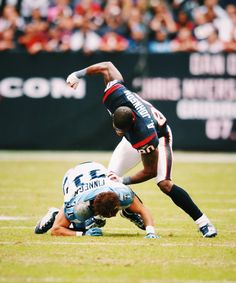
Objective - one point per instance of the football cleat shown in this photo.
(133, 217)
(208, 231)
(152, 236)
(47, 221)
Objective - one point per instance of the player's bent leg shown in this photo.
(183, 200)
(46, 222)
(133, 217)
(123, 158)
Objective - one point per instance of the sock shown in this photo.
(202, 221)
(182, 199)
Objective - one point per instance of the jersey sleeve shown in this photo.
(77, 211)
(148, 144)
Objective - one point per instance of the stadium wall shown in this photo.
(196, 92)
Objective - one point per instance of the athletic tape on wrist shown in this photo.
(79, 233)
(150, 230)
(126, 180)
(80, 73)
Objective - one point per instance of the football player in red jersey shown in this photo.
(146, 137)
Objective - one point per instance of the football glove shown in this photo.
(152, 236)
(72, 80)
(93, 232)
(96, 221)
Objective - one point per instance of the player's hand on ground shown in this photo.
(93, 232)
(152, 236)
(72, 80)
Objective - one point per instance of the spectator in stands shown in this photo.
(65, 25)
(35, 35)
(11, 18)
(183, 5)
(218, 17)
(231, 44)
(60, 8)
(54, 40)
(212, 44)
(85, 38)
(113, 42)
(182, 20)
(123, 25)
(184, 41)
(27, 7)
(161, 42)
(202, 28)
(90, 10)
(114, 29)
(7, 41)
(114, 21)
(162, 19)
(137, 31)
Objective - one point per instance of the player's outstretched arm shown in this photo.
(148, 171)
(138, 207)
(61, 226)
(106, 69)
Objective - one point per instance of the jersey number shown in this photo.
(159, 117)
(94, 174)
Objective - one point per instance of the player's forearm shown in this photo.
(148, 171)
(139, 177)
(62, 231)
(106, 69)
(147, 218)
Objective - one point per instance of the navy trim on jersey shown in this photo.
(145, 141)
(110, 90)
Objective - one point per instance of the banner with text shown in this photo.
(196, 92)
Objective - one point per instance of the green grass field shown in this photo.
(31, 182)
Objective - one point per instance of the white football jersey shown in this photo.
(84, 177)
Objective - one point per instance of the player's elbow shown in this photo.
(56, 231)
(108, 65)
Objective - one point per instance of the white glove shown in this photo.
(72, 80)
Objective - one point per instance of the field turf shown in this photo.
(31, 182)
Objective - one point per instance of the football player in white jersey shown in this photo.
(147, 138)
(92, 194)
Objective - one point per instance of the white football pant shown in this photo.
(125, 157)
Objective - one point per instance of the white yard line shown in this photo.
(115, 243)
(13, 218)
(104, 280)
(104, 156)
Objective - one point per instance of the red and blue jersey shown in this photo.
(149, 125)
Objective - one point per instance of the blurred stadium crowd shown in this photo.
(89, 26)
